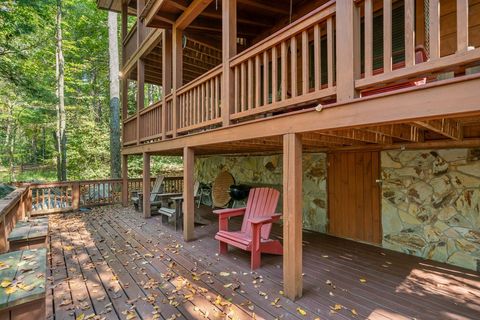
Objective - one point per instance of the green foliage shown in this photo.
(27, 91)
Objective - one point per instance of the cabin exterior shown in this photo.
(366, 113)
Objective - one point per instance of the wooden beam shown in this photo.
(229, 49)
(125, 180)
(277, 8)
(362, 135)
(345, 50)
(446, 127)
(193, 11)
(188, 195)
(452, 98)
(166, 75)
(177, 69)
(146, 185)
(140, 93)
(399, 131)
(292, 216)
(319, 138)
(152, 12)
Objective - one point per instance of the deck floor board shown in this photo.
(116, 264)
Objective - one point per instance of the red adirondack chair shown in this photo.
(257, 223)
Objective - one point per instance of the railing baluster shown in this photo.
(462, 25)
(265, 78)
(330, 40)
(387, 35)
(434, 29)
(316, 57)
(250, 85)
(243, 75)
(274, 74)
(305, 63)
(212, 98)
(258, 82)
(216, 100)
(293, 64)
(284, 78)
(237, 91)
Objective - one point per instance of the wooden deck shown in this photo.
(112, 263)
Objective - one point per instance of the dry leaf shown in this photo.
(81, 316)
(301, 311)
(5, 283)
(354, 312)
(224, 274)
(10, 290)
(362, 280)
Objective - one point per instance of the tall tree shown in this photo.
(61, 114)
(115, 167)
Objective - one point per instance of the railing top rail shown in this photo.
(130, 118)
(151, 107)
(288, 31)
(169, 96)
(8, 202)
(204, 77)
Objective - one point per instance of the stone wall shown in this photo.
(431, 204)
(259, 170)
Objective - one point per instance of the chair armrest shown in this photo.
(264, 220)
(179, 198)
(163, 195)
(227, 213)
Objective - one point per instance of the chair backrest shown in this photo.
(262, 202)
(196, 188)
(157, 187)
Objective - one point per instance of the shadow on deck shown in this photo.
(112, 263)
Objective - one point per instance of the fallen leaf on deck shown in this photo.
(337, 307)
(81, 316)
(65, 302)
(362, 280)
(224, 274)
(301, 311)
(68, 248)
(354, 312)
(10, 290)
(5, 283)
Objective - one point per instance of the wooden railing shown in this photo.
(442, 57)
(130, 131)
(282, 70)
(300, 65)
(199, 101)
(151, 120)
(45, 198)
(13, 207)
(130, 44)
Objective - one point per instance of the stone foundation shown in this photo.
(267, 170)
(431, 204)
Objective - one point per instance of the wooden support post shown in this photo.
(146, 185)
(140, 93)
(188, 201)
(140, 24)
(75, 196)
(124, 29)
(346, 50)
(125, 180)
(229, 49)
(166, 75)
(177, 76)
(292, 215)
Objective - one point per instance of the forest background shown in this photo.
(31, 71)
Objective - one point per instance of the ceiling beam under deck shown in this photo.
(326, 139)
(446, 127)
(153, 10)
(399, 131)
(277, 8)
(361, 135)
(456, 97)
(191, 13)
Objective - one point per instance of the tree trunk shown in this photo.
(9, 141)
(61, 115)
(115, 157)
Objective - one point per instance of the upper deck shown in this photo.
(332, 54)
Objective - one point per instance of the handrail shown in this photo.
(151, 106)
(204, 77)
(13, 207)
(288, 31)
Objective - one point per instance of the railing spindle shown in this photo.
(243, 97)
(250, 85)
(274, 74)
(293, 71)
(265, 78)
(284, 78)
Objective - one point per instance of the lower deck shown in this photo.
(112, 263)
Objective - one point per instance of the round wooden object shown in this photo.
(220, 189)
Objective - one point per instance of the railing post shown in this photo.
(166, 75)
(177, 76)
(75, 195)
(346, 49)
(188, 196)
(146, 185)
(140, 25)
(140, 93)
(229, 49)
(29, 202)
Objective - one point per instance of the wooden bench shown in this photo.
(22, 284)
(29, 234)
